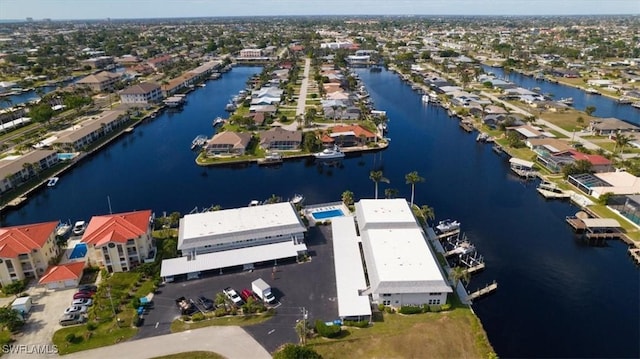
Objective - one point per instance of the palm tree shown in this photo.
(621, 141)
(427, 213)
(411, 179)
(459, 274)
(377, 176)
(347, 197)
(390, 192)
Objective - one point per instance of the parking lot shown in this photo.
(310, 285)
(42, 321)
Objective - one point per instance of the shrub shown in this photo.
(197, 317)
(220, 312)
(381, 307)
(72, 338)
(389, 310)
(425, 308)
(327, 331)
(409, 309)
(435, 308)
(360, 324)
(135, 303)
(91, 326)
(446, 307)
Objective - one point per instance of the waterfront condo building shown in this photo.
(120, 242)
(401, 267)
(26, 251)
(142, 93)
(14, 171)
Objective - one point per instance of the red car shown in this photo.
(246, 294)
(83, 295)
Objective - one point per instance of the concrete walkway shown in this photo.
(574, 136)
(228, 341)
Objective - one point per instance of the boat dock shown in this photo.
(442, 236)
(553, 195)
(467, 126)
(17, 201)
(635, 254)
(475, 268)
(489, 288)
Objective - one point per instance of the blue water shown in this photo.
(557, 297)
(605, 106)
(327, 214)
(79, 251)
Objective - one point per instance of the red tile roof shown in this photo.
(62, 272)
(116, 227)
(595, 160)
(24, 239)
(357, 129)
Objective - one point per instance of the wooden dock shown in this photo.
(442, 236)
(489, 288)
(635, 254)
(16, 202)
(577, 224)
(553, 195)
(468, 127)
(475, 268)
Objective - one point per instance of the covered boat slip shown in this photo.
(522, 167)
(595, 228)
(350, 280)
(192, 265)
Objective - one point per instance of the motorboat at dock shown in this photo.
(448, 225)
(271, 158)
(329, 154)
(199, 141)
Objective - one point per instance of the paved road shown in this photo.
(302, 99)
(228, 341)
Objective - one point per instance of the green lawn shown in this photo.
(107, 330)
(240, 320)
(192, 355)
(454, 334)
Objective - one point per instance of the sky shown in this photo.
(117, 9)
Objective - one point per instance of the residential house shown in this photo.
(120, 242)
(278, 138)
(351, 135)
(16, 170)
(143, 93)
(249, 53)
(100, 82)
(527, 132)
(228, 143)
(610, 126)
(99, 62)
(158, 62)
(85, 133)
(554, 162)
(27, 250)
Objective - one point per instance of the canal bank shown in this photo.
(552, 287)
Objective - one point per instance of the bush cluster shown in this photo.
(197, 317)
(360, 324)
(409, 309)
(327, 331)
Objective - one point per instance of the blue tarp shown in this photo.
(140, 310)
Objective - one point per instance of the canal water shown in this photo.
(557, 297)
(605, 106)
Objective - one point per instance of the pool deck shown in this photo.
(71, 244)
(323, 207)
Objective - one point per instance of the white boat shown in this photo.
(230, 107)
(79, 228)
(425, 98)
(52, 181)
(592, 91)
(329, 154)
(270, 158)
(566, 101)
(636, 104)
(447, 226)
(254, 203)
(63, 229)
(297, 199)
(218, 121)
(199, 141)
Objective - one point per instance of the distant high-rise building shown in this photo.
(29, 19)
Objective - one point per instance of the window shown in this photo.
(435, 293)
(386, 294)
(386, 302)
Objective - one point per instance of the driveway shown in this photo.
(229, 341)
(310, 285)
(42, 322)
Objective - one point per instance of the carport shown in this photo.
(192, 265)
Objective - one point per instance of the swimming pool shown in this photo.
(327, 214)
(79, 251)
(65, 156)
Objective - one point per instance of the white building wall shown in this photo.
(398, 300)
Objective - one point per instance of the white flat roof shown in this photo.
(230, 258)
(384, 211)
(231, 225)
(521, 162)
(601, 223)
(527, 133)
(349, 270)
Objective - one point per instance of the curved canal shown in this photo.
(557, 297)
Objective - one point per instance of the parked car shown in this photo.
(71, 319)
(233, 296)
(83, 301)
(83, 295)
(205, 302)
(186, 306)
(75, 309)
(88, 288)
(246, 294)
